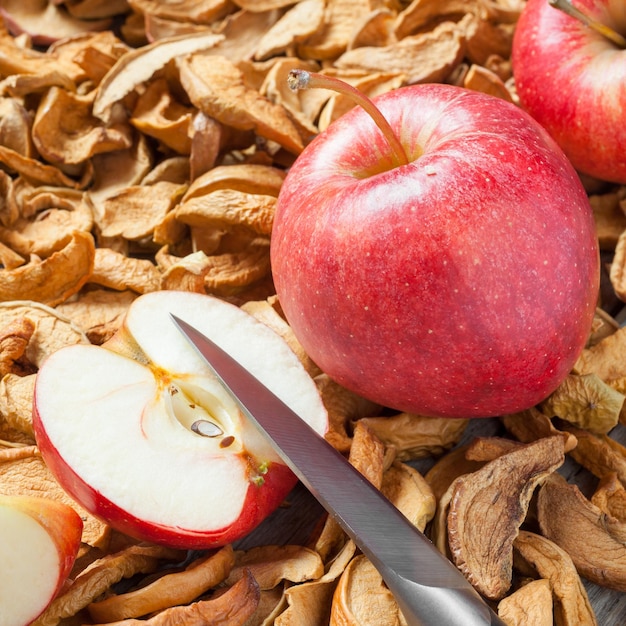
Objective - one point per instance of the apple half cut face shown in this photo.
(38, 546)
(141, 433)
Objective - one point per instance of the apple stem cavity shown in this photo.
(301, 79)
(568, 8)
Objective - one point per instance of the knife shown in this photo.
(429, 589)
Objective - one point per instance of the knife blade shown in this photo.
(429, 589)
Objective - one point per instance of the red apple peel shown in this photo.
(460, 285)
(568, 8)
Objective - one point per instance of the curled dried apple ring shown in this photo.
(54, 279)
(169, 590)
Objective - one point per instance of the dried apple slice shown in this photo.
(137, 66)
(44, 21)
(488, 507)
(143, 435)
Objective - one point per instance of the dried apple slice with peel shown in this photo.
(141, 433)
(40, 540)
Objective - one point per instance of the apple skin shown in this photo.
(463, 284)
(64, 528)
(260, 501)
(572, 80)
(103, 426)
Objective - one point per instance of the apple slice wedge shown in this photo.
(141, 433)
(40, 540)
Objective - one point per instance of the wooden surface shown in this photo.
(294, 522)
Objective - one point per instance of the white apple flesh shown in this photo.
(39, 540)
(142, 434)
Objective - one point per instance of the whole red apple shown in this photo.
(572, 80)
(461, 284)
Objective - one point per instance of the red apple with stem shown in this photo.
(447, 265)
(570, 75)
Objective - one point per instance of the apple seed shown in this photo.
(208, 429)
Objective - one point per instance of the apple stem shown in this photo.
(301, 79)
(567, 7)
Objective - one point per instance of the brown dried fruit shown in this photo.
(198, 12)
(64, 130)
(599, 454)
(182, 587)
(485, 449)
(225, 209)
(343, 407)
(427, 57)
(479, 78)
(532, 424)
(16, 403)
(98, 312)
(230, 608)
(295, 26)
(9, 259)
(134, 212)
(610, 225)
(138, 65)
(54, 279)
(35, 171)
(15, 125)
(14, 339)
(409, 492)
(159, 114)
(332, 38)
(46, 218)
(120, 272)
(362, 598)
(449, 467)
(605, 358)
(53, 330)
(23, 472)
(246, 177)
(617, 271)
(220, 274)
(100, 575)
(44, 21)
(565, 516)
(266, 311)
(310, 602)
(610, 497)
(272, 564)
(585, 401)
(217, 87)
(571, 603)
(488, 507)
(416, 436)
(530, 605)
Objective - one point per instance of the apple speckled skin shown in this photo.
(463, 284)
(572, 80)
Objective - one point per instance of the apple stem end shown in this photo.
(569, 9)
(301, 79)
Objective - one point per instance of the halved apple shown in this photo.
(38, 546)
(141, 433)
